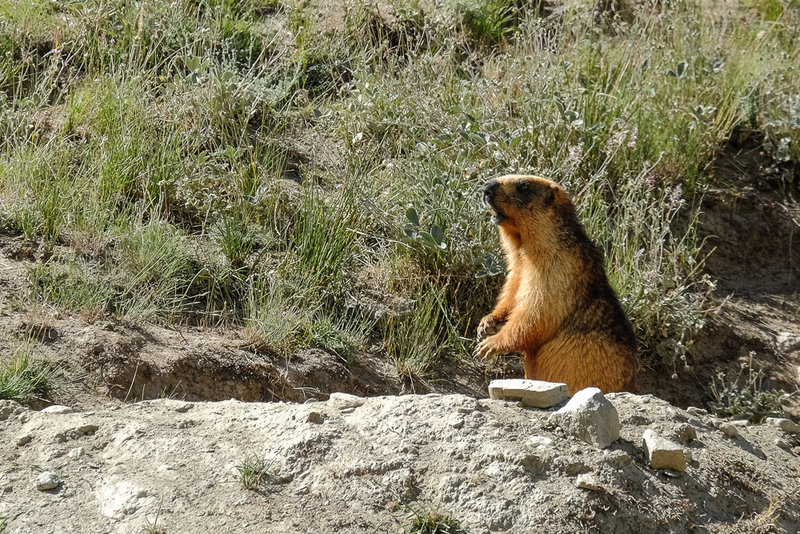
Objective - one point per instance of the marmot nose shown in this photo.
(489, 188)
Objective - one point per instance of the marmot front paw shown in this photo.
(487, 349)
(488, 326)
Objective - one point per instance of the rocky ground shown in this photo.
(354, 464)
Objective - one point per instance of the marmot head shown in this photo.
(527, 205)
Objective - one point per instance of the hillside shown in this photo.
(352, 464)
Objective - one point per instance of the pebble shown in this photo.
(694, 410)
(47, 480)
(780, 443)
(541, 442)
(729, 429)
(587, 481)
(686, 433)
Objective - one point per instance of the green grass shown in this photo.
(424, 520)
(24, 378)
(150, 147)
(253, 472)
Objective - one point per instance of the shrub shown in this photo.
(743, 395)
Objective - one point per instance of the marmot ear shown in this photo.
(549, 196)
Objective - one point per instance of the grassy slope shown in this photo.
(154, 140)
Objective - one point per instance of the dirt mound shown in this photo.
(357, 464)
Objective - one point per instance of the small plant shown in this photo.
(152, 527)
(431, 521)
(24, 378)
(254, 472)
(743, 396)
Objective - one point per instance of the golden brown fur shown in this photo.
(556, 308)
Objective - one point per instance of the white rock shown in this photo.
(694, 410)
(535, 393)
(662, 453)
(119, 499)
(589, 416)
(47, 480)
(58, 408)
(541, 442)
(587, 481)
(345, 400)
(456, 420)
(75, 453)
(788, 342)
(787, 425)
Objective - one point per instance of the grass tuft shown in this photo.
(24, 378)
(254, 472)
(430, 521)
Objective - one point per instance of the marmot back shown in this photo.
(556, 308)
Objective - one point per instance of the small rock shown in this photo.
(686, 433)
(729, 429)
(184, 407)
(534, 393)
(662, 453)
(47, 480)
(345, 400)
(589, 416)
(75, 453)
(787, 425)
(9, 408)
(540, 442)
(456, 420)
(694, 410)
(302, 490)
(788, 342)
(24, 440)
(315, 417)
(587, 481)
(740, 422)
(780, 443)
(58, 408)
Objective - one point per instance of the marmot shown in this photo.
(556, 308)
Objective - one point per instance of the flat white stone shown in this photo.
(58, 408)
(345, 400)
(534, 393)
(662, 453)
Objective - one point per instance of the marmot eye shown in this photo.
(523, 187)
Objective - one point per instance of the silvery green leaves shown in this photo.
(490, 265)
(678, 71)
(434, 237)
